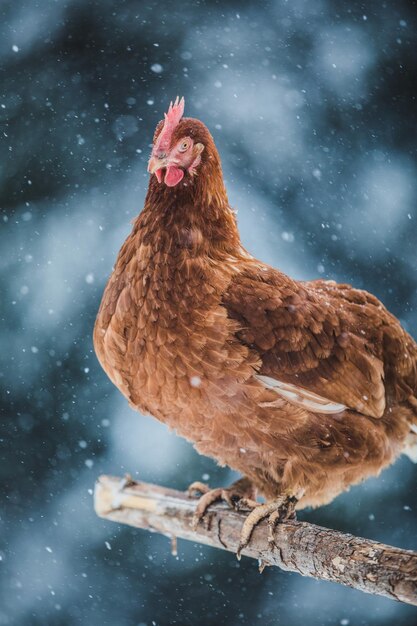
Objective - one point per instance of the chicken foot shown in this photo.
(239, 496)
(278, 510)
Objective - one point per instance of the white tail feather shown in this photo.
(301, 397)
(410, 448)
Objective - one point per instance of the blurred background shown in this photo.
(312, 106)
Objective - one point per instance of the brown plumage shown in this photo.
(303, 387)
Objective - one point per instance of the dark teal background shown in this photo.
(312, 106)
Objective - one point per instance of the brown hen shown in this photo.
(304, 387)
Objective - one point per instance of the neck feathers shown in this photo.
(195, 216)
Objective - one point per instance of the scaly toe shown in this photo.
(203, 504)
(273, 520)
(257, 514)
(197, 487)
(277, 511)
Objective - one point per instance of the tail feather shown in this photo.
(410, 444)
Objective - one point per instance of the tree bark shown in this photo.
(299, 547)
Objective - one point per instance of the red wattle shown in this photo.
(173, 176)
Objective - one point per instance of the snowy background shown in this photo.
(312, 106)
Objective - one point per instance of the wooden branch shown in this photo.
(299, 547)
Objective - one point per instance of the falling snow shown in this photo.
(312, 108)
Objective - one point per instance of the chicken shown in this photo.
(305, 388)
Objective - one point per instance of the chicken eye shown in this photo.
(184, 145)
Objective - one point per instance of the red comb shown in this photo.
(175, 113)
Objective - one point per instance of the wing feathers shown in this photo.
(318, 337)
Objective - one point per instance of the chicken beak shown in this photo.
(155, 166)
